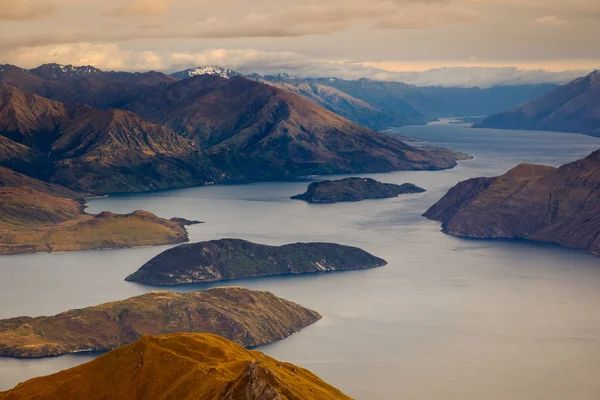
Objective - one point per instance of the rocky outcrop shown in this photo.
(182, 367)
(249, 318)
(354, 189)
(227, 259)
(530, 202)
(574, 107)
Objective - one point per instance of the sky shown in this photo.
(447, 42)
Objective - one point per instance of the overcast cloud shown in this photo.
(421, 42)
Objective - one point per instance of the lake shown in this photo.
(446, 318)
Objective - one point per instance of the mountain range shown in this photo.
(107, 132)
(93, 150)
(379, 105)
(574, 107)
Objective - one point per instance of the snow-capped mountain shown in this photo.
(206, 70)
(55, 71)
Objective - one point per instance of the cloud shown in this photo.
(112, 57)
(327, 17)
(550, 20)
(25, 9)
(141, 7)
(103, 56)
(308, 19)
(423, 15)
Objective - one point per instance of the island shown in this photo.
(532, 202)
(182, 367)
(354, 189)
(36, 216)
(227, 259)
(249, 318)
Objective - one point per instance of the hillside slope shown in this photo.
(179, 367)
(532, 202)
(92, 150)
(249, 318)
(256, 131)
(40, 217)
(574, 107)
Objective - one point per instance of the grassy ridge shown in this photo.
(200, 367)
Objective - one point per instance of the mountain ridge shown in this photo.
(574, 107)
(533, 202)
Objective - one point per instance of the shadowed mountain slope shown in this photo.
(531, 202)
(574, 107)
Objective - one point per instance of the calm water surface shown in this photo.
(447, 318)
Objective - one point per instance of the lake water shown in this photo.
(446, 319)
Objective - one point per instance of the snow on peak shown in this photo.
(207, 70)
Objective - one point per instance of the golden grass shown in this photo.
(182, 367)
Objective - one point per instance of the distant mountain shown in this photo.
(408, 104)
(256, 131)
(234, 129)
(182, 367)
(92, 150)
(206, 70)
(378, 104)
(574, 107)
(532, 202)
(82, 85)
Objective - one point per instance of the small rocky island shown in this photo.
(227, 259)
(182, 366)
(532, 202)
(249, 318)
(354, 189)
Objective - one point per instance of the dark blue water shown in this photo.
(447, 318)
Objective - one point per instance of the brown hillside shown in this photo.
(531, 202)
(179, 367)
(249, 318)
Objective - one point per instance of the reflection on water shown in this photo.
(447, 318)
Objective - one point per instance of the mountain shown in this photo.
(200, 367)
(532, 202)
(228, 259)
(354, 189)
(91, 150)
(247, 317)
(255, 131)
(206, 70)
(408, 104)
(379, 104)
(574, 107)
(82, 85)
(338, 102)
(36, 216)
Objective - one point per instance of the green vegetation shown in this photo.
(354, 189)
(233, 259)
